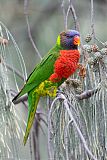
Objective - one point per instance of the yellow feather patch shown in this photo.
(46, 88)
(58, 40)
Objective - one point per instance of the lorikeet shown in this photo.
(56, 66)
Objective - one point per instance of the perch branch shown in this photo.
(86, 94)
(28, 28)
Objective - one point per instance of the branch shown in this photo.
(5, 42)
(36, 137)
(74, 15)
(92, 20)
(86, 94)
(28, 27)
(64, 14)
(66, 18)
(15, 71)
(30, 146)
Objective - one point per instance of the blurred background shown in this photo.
(46, 22)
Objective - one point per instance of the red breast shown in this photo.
(65, 65)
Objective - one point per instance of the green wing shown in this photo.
(41, 72)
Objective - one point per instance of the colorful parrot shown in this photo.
(56, 66)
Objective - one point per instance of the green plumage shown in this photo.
(41, 73)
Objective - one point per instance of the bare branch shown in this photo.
(28, 27)
(92, 19)
(86, 94)
(72, 9)
(13, 69)
(66, 18)
(30, 145)
(36, 137)
(39, 124)
(64, 14)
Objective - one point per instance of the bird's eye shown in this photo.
(68, 36)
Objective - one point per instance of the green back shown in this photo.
(42, 71)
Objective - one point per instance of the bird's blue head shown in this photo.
(69, 39)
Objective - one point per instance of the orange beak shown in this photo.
(76, 40)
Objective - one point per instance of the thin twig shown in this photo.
(76, 22)
(92, 19)
(30, 146)
(72, 9)
(28, 27)
(15, 71)
(98, 40)
(66, 18)
(49, 134)
(43, 120)
(64, 14)
(39, 124)
(49, 127)
(66, 139)
(36, 137)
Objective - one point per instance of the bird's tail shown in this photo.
(33, 99)
(26, 88)
(17, 96)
